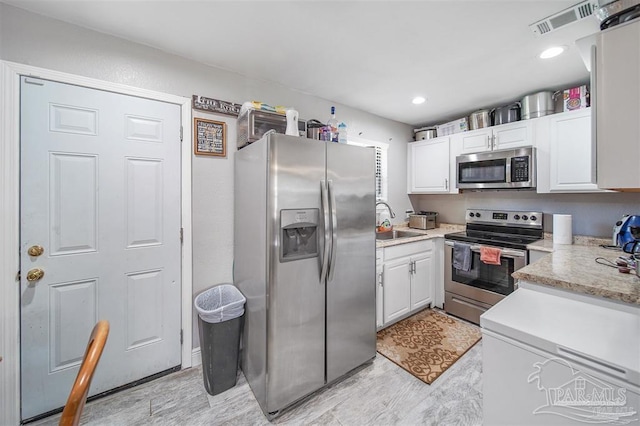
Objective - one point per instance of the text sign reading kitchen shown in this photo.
(479, 261)
(215, 105)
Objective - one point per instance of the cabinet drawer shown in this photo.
(466, 308)
(408, 249)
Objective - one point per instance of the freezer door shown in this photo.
(296, 294)
(351, 299)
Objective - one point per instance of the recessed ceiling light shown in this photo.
(551, 52)
(418, 100)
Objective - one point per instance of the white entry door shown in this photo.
(100, 194)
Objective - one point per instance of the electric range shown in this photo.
(470, 293)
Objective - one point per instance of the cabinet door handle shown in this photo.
(489, 141)
(495, 142)
(446, 183)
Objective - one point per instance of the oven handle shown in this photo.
(505, 252)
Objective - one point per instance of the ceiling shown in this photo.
(371, 55)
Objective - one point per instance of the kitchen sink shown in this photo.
(394, 235)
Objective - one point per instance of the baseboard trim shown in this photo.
(196, 357)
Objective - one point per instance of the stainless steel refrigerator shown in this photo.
(304, 257)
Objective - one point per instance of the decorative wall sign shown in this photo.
(209, 137)
(216, 105)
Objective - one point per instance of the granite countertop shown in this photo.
(439, 232)
(573, 267)
(547, 243)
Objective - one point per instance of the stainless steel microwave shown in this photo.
(504, 169)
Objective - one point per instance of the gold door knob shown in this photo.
(35, 251)
(35, 275)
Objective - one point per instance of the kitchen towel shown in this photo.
(490, 255)
(461, 258)
(562, 229)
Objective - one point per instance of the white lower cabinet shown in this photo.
(396, 280)
(408, 281)
(422, 285)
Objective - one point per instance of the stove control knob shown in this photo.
(525, 217)
(471, 214)
(477, 214)
(533, 218)
(516, 216)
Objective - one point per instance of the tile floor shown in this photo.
(381, 393)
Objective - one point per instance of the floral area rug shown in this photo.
(427, 343)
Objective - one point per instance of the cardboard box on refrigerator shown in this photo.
(575, 98)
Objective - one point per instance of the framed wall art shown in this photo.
(209, 137)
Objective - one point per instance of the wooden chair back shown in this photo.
(78, 395)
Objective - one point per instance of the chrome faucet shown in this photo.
(391, 212)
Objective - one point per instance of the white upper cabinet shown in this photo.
(428, 164)
(566, 153)
(513, 135)
(617, 100)
(504, 136)
(572, 153)
(475, 140)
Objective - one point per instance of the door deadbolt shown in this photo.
(35, 251)
(35, 275)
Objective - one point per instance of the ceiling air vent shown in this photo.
(568, 16)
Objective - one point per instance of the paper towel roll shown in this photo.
(562, 229)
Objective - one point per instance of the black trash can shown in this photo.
(220, 320)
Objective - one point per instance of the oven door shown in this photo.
(486, 283)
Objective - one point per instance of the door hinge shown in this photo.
(181, 235)
(18, 276)
(181, 337)
(181, 133)
(380, 281)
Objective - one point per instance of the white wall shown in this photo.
(35, 40)
(593, 214)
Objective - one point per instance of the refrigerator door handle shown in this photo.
(334, 230)
(327, 236)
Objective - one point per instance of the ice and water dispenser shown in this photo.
(299, 234)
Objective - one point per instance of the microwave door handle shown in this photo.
(508, 171)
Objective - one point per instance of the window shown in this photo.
(381, 165)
